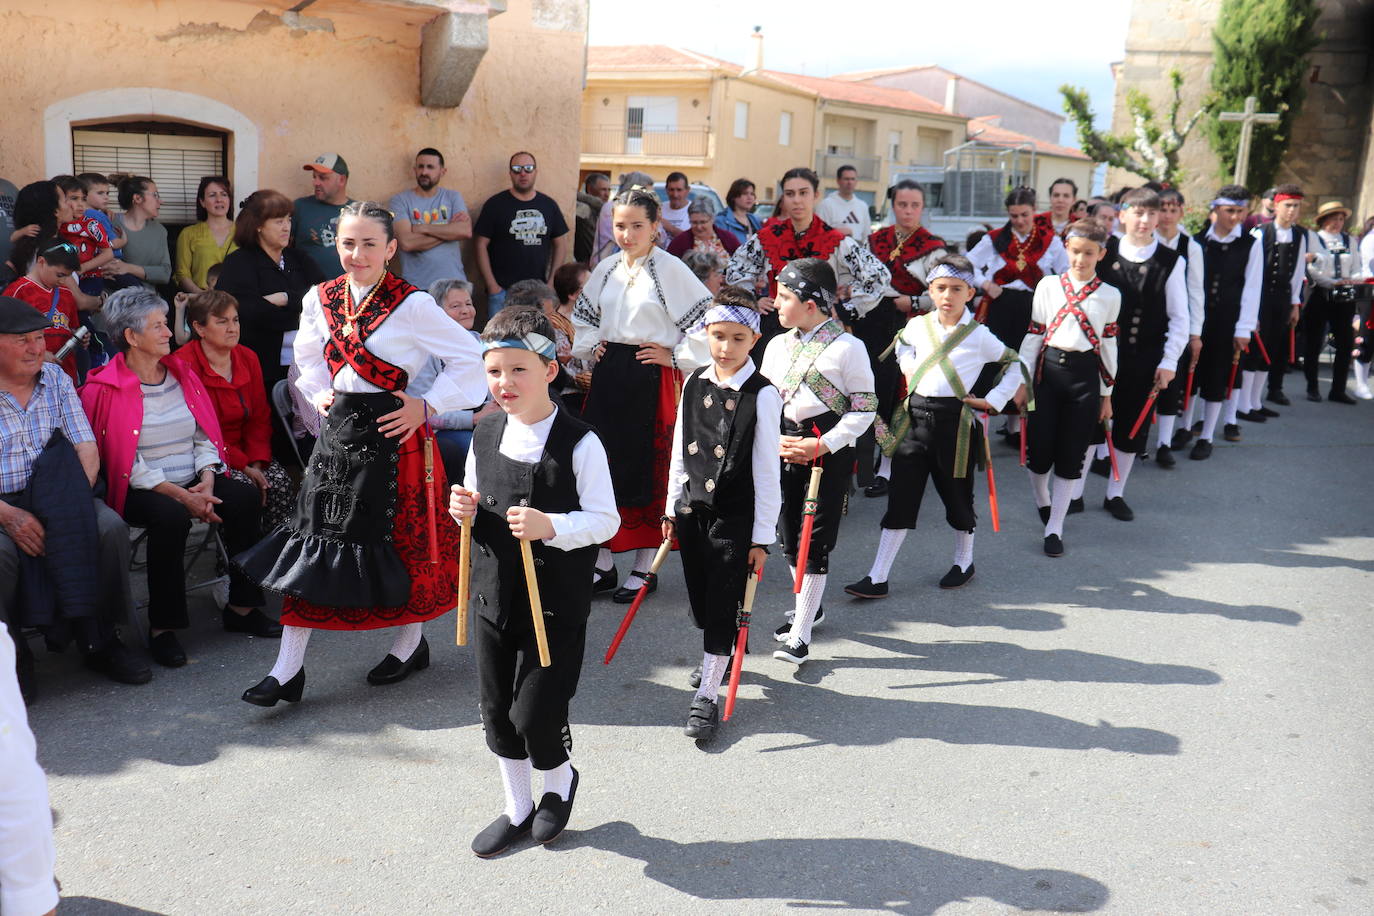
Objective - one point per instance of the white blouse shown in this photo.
(986, 259)
(416, 330)
(844, 362)
(1197, 294)
(656, 300)
(1102, 309)
(968, 359)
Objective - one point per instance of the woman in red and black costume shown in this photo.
(1016, 257)
(1063, 192)
(370, 545)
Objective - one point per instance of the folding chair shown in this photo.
(286, 413)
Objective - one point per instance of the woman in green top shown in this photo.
(146, 257)
(208, 241)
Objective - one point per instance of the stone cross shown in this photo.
(1248, 119)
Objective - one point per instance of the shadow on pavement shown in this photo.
(92, 906)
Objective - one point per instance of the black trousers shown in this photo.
(715, 562)
(1170, 400)
(525, 707)
(1325, 310)
(839, 469)
(1214, 363)
(1068, 400)
(168, 523)
(876, 330)
(926, 453)
(1135, 379)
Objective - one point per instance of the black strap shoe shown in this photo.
(956, 577)
(553, 813)
(391, 670)
(625, 595)
(499, 835)
(702, 720)
(605, 580)
(269, 691)
(1118, 508)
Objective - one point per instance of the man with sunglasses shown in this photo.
(520, 234)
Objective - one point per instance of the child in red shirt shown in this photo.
(42, 288)
(86, 233)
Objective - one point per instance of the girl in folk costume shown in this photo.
(1063, 192)
(941, 354)
(797, 232)
(1170, 403)
(1016, 257)
(1154, 321)
(908, 250)
(828, 400)
(1336, 270)
(724, 488)
(1284, 244)
(632, 317)
(1071, 343)
(364, 551)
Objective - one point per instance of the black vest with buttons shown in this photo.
(1280, 260)
(498, 575)
(718, 444)
(1223, 281)
(1144, 315)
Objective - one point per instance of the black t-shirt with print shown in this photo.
(521, 234)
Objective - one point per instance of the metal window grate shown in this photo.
(174, 163)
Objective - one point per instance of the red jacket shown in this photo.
(245, 418)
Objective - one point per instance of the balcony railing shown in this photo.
(648, 141)
(828, 163)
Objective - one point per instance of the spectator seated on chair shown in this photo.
(64, 555)
(233, 379)
(164, 460)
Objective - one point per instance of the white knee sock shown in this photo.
(889, 542)
(1116, 488)
(713, 671)
(1102, 450)
(1257, 390)
(813, 586)
(963, 550)
(885, 467)
(1082, 480)
(1060, 494)
(515, 779)
(1166, 431)
(791, 613)
(1195, 404)
(604, 560)
(559, 780)
(1232, 405)
(407, 640)
(1040, 488)
(291, 653)
(1211, 412)
(644, 558)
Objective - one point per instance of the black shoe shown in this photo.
(116, 662)
(625, 595)
(1202, 450)
(604, 582)
(1118, 508)
(1054, 545)
(1279, 398)
(391, 670)
(1181, 439)
(1044, 514)
(167, 650)
(702, 719)
(867, 588)
(552, 814)
(1075, 506)
(499, 834)
(1251, 416)
(1231, 432)
(956, 577)
(1102, 467)
(781, 633)
(1314, 395)
(1197, 428)
(255, 623)
(1164, 457)
(269, 690)
(794, 651)
(1268, 411)
(1340, 397)
(877, 488)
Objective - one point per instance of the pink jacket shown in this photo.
(114, 404)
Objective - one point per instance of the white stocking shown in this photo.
(291, 653)
(1040, 487)
(1082, 480)
(1166, 430)
(515, 779)
(644, 558)
(963, 550)
(1060, 495)
(713, 669)
(407, 640)
(889, 542)
(813, 586)
(1211, 412)
(1245, 402)
(1116, 488)
(1257, 390)
(559, 780)
(885, 467)
(1232, 405)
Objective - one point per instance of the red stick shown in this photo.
(741, 644)
(1188, 388)
(1111, 452)
(1025, 428)
(992, 481)
(1144, 412)
(809, 513)
(643, 592)
(1263, 352)
(1292, 344)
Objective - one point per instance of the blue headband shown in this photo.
(949, 270)
(535, 343)
(738, 314)
(1230, 202)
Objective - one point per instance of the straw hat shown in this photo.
(1331, 208)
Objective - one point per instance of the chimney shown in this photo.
(758, 48)
(952, 94)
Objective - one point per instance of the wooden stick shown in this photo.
(1111, 451)
(809, 506)
(1025, 428)
(742, 642)
(1231, 381)
(663, 550)
(464, 578)
(992, 481)
(541, 638)
(427, 443)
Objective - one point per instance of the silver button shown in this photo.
(692, 448)
(730, 404)
(719, 451)
(710, 485)
(706, 401)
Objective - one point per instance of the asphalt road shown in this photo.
(1169, 719)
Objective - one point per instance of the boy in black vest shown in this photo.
(1151, 278)
(1233, 274)
(1284, 246)
(1169, 406)
(724, 488)
(537, 474)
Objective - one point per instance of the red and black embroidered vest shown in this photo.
(1022, 258)
(781, 244)
(917, 245)
(351, 324)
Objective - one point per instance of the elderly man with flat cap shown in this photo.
(64, 555)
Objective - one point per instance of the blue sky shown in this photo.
(1051, 42)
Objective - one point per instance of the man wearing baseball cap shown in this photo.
(316, 217)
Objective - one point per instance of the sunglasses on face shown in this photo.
(517, 169)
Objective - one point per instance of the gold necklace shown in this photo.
(350, 317)
(633, 272)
